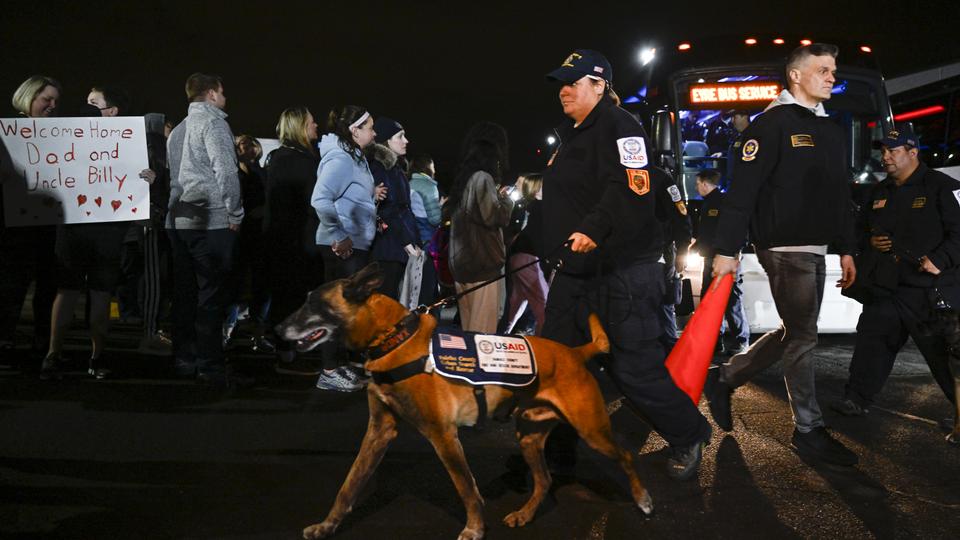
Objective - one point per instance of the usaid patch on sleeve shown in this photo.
(674, 192)
(633, 152)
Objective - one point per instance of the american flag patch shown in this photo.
(452, 342)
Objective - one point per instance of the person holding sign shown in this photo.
(28, 251)
(88, 254)
(204, 218)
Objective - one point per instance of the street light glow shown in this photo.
(647, 55)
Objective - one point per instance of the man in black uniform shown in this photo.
(735, 316)
(910, 240)
(791, 189)
(600, 194)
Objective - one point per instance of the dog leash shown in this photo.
(553, 264)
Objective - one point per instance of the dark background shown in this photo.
(435, 67)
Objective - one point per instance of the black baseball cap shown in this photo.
(901, 136)
(582, 63)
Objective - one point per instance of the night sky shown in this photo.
(435, 67)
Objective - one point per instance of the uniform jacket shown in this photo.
(599, 183)
(204, 186)
(791, 186)
(922, 218)
(394, 210)
(343, 196)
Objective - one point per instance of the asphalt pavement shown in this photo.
(148, 456)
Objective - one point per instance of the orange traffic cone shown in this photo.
(690, 358)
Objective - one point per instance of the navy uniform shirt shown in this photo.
(791, 187)
(922, 218)
(599, 183)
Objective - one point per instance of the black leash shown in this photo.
(555, 264)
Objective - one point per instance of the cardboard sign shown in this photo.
(73, 170)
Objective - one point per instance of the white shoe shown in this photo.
(337, 381)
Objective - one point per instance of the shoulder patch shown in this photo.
(674, 193)
(750, 150)
(639, 181)
(633, 152)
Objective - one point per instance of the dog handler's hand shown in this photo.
(849, 272)
(723, 265)
(581, 243)
(343, 248)
(881, 243)
(926, 265)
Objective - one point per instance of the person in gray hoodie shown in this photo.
(345, 200)
(205, 212)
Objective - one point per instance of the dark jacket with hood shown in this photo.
(394, 211)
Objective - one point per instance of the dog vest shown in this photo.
(482, 358)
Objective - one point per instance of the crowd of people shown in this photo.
(231, 240)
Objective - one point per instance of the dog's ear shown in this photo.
(361, 285)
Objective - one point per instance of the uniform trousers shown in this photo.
(883, 329)
(628, 302)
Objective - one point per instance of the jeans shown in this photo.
(734, 325)
(202, 261)
(796, 281)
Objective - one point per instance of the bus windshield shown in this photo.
(716, 105)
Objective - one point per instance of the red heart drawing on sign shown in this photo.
(115, 205)
(98, 200)
(88, 213)
(134, 210)
(130, 197)
(81, 199)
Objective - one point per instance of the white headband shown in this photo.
(361, 120)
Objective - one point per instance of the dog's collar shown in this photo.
(401, 332)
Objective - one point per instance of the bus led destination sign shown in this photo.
(732, 93)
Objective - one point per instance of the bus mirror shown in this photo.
(663, 136)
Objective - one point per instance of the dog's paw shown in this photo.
(646, 504)
(319, 530)
(471, 534)
(954, 438)
(517, 519)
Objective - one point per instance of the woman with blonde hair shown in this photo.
(28, 252)
(294, 264)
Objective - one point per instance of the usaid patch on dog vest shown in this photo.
(482, 358)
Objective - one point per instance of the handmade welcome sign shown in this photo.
(73, 170)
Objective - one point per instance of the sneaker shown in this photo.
(848, 407)
(98, 369)
(818, 444)
(156, 345)
(263, 344)
(355, 374)
(719, 394)
(336, 380)
(684, 461)
(50, 368)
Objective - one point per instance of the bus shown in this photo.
(930, 101)
(695, 96)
